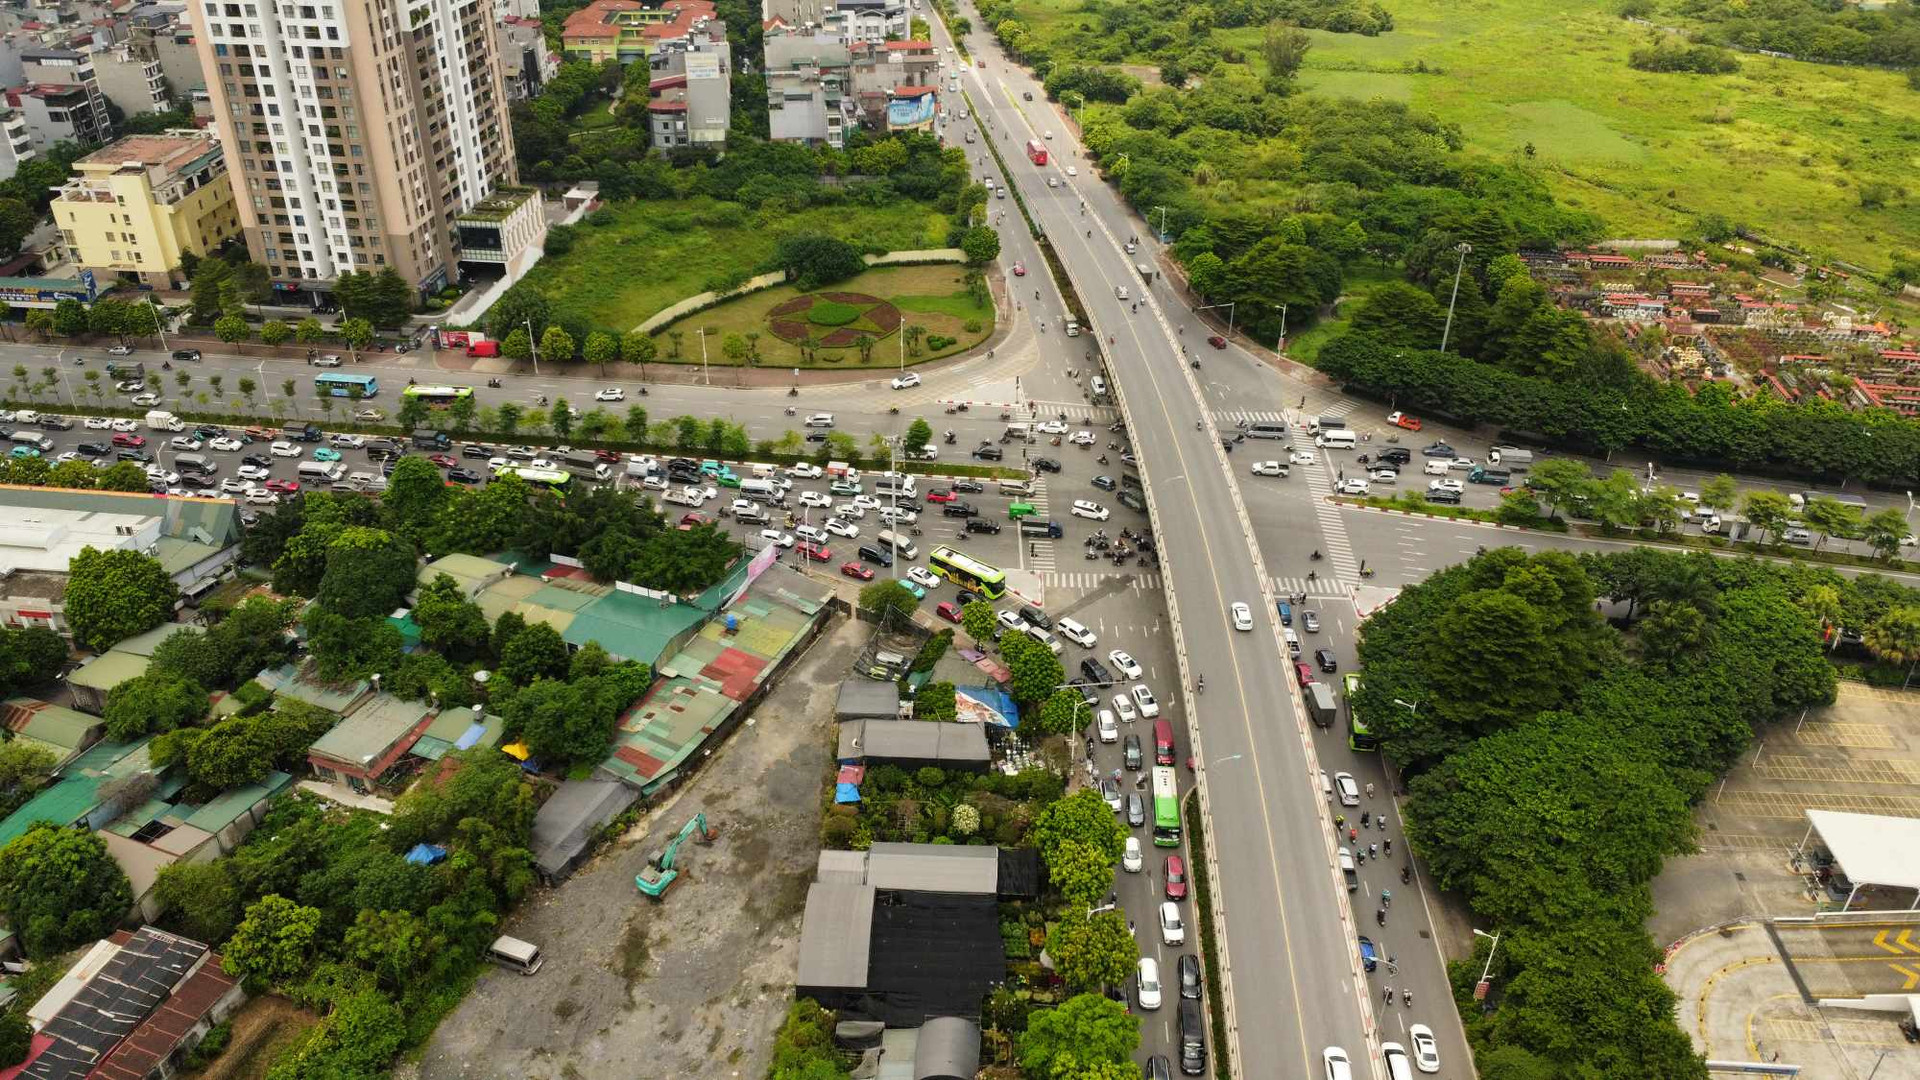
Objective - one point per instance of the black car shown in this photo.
(133, 454)
(1439, 449)
(1131, 752)
(1088, 692)
(1450, 497)
(1136, 809)
(988, 452)
(1324, 657)
(463, 476)
(476, 450)
(94, 449)
(1035, 617)
(1190, 977)
(1095, 671)
(1045, 464)
(966, 487)
(816, 435)
(1131, 499)
(1394, 455)
(963, 597)
(195, 480)
(982, 525)
(959, 509)
(186, 355)
(210, 431)
(261, 460)
(869, 553)
(1104, 483)
(1158, 1068)
(56, 423)
(382, 451)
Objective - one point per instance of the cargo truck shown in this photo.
(162, 420)
(1321, 704)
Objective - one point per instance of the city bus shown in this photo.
(1166, 807)
(347, 386)
(1037, 151)
(554, 480)
(438, 397)
(1359, 736)
(968, 572)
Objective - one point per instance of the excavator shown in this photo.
(660, 869)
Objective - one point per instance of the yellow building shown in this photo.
(138, 204)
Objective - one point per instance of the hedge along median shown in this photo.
(1054, 267)
(1203, 916)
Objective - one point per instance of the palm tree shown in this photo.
(287, 387)
(753, 346)
(247, 388)
(1896, 637)
(673, 342)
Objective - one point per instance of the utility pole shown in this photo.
(1464, 249)
(533, 347)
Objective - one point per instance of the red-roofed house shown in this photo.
(892, 71)
(626, 30)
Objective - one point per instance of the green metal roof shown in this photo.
(226, 808)
(110, 669)
(55, 725)
(64, 803)
(632, 626)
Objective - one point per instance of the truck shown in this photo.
(1480, 474)
(1511, 458)
(301, 432)
(162, 420)
(127, 371)
(429, 439)
(587, 465)
(483, 348)
(682, 497)
(639, 468)
(1321, 704)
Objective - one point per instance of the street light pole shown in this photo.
(1281, 345)
(533, 347)
(1464, 249)
(159, 326)
(1480, 988)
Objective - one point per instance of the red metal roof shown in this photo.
(156, 1039)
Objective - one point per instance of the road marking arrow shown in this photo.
(1880, 939)
(1913, 975)
(1906, 940)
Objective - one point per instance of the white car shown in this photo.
(1435, 467)
(371, 416)
(842, 528)
(1147, 981)
(262, 497)
(1426, 1049)
(122, 424)
(1396, 1058)
(233, 485)
(496, 463)
(850, 511)
(226, 444)
(1071, 171)
(145, 400)
(1051, 427)
(282, 448)
(252, 472)
(1083, 437)
(611, 393)
(777, 538)
(1355, 486)
(1049, 135)
(1143, 697)
(805, 470)
(866, 502)
(911, 378)
(923, 577)
(1269, 468)
(329, 360)
(543, 463)
(130, 386)
(346, 442)
(655, 483)
(1076, 633)
(898, 515)
(1092, 511)
(1132, 860)
(1454, 486)
(1123, 707)
(1348, 789)
(120, 350)
(815, 499)
(1384, 475)
(1109, 730)
(704, 494)
(1053, 181)
(1301, 457)
(71, 455)
(1124, 663)
(1173, 931)
(96, 423)
(155, 472)
(185, 442)
(1462, 464)
(1242, 616)
(1337, 1065)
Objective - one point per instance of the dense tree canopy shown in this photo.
(60, 888)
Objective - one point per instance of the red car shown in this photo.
(855, 571)
(940, 496)
(690, 520)
(135, 441)
(947, 610)
(816, 552)
(1176, 878)
(1019, 270)
(259, 434)
(607, 456)
(445, 461)
(284, 487)
(1303, 673)
(1217, 341)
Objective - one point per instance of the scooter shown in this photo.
(493, 384)
(790, 410)
(950, 438)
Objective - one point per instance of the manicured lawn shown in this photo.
(933, 297)
(1782, 147)
(654, 254)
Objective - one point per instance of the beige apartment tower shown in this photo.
(355, 131)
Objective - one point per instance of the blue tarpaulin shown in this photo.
(985, 705)
(846, 793)
(426, 854)
(471, 736)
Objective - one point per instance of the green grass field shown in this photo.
(655, 254)
(1781, 147)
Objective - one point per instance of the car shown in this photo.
(850, 511)
(845, 487)
(1136, 811)
(815, 552)
(1426, 1049)
(1123, 707)
(1092, 511)
(1269, 468)
(1301, 457)
(226, 444)
(1384, 475)
(130, 386)
(120, 350)
(26, 451)
(940, 496)
(1095, 672)
(1132, 754)
(1143, 697)
(325, 453)
(966, 487)
(1045, 464)
(1242, 616)
(1348, 789)
(777, 538)
(1083, 437)
(840, 528)
(1796, 536)
(145, 400)
(1352, 486)
(1326, 660)
(94, 449)
(444, 461)
(1216, 341)
(611, 393)
(1190, 979)
(1394, 455)
(1437, 449)
(901, 382)
(97, 423)
(988, 452)
(1019, 269)
(1071, 171)
(898, 515)
(949, 611)
(460, 475)
(1110, 794)
(347, 441)
(1302, 672)
(1053, 181)
(70, 455)
(1311, 620)
(186, 355)
(1131, 499)
(1104, 483)
(1146, 982)
(261, 497)
(541, 463)
(370, 416)
(960, 510)
(285, 487)
(130, 440)
(815, 499)
(1443, 496)
(855, 571)
(282, 448)
(1338, 1067)
(1174, 875)
(1173, 929)
(923, 577)
(252, 472)
(185, 442)
(1462, 464)
(1369, 952)
(233, 485)
(1108, 728)
(1051, 427)
(1124, 663)
(1402, 420)
(867, 502)
(329, 360)
(1132, 860)
(1455, 486)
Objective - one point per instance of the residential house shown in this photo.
(526, 61)
(808, 82)
(136, 210)
(626, 30)
(61, 98)
(885, 72)
(63, 731)
(915, 744)
(95, 679)
(690, 93)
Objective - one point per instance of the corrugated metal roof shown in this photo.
(835, 935)
(944, 868)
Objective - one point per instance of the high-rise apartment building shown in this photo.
(356, 131)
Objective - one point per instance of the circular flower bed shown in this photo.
(832, 320)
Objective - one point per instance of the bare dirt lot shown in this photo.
(696, 984)
(261, 1029)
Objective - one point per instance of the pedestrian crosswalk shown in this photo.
(1093, 579)
(1333, 528)
(1237, 417)
(1317, 589)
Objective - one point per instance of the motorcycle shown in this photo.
(792, 391)
(962, 406)
(493, 384)
(790, 410)
(1102, 459)
(165, 365)
(951, 410)
(950, 438)
(1056, 440)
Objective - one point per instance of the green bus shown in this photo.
(553, 480)
(438, 397)
(968, 573)
(1166, 807)
(1359, 736)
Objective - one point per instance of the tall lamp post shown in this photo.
(1480, 988)
(533, 347)
(1229, 306)
(1464, 249)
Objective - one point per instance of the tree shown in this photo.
(638, 348)
(562, 418)
(201, 898)
(274, 942)
(1831, 517)
(1082, 873)
(415, 493)
(151, 703)
(1720, 492)
(1093, 951)
(979, 620)
(1284, 48)
(534, 653)
(1558, 482)
(391, 944)
(1062, 713)
(357, 333)
(16, 1038)
(25, 768)
(517, 346)
(1884, 532)
(734, 348)
(309, 331)
(1086, 1027)
(275, 332)
(231, 329)
(814, 259)
(980, 245)
(1079, 818)
(1768, 510)
(412, 414)
(919, 434)
(1895, 636)
(601, 348)
(59, 887)
(1034, 669)
(1401, 313)
(113, 595)
(556, 344)
(369, 573)
(888, 597)
(515, 308)
(69, 318)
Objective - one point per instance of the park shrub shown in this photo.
(832, 313)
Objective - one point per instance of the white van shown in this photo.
(1337, 439)
(514, 954)
(1040, 634)
(1016, 487)
(31, 438)
(903, 546)
(1098, 385)
(321, 472)
(1293, 642)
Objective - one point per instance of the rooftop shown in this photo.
(172, 151)
(371, 732)
(112, 1005)
(498, 206)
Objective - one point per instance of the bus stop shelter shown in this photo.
(1869, 849)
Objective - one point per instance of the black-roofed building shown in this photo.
(915, 744)
(566, 824)
(867, 699)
